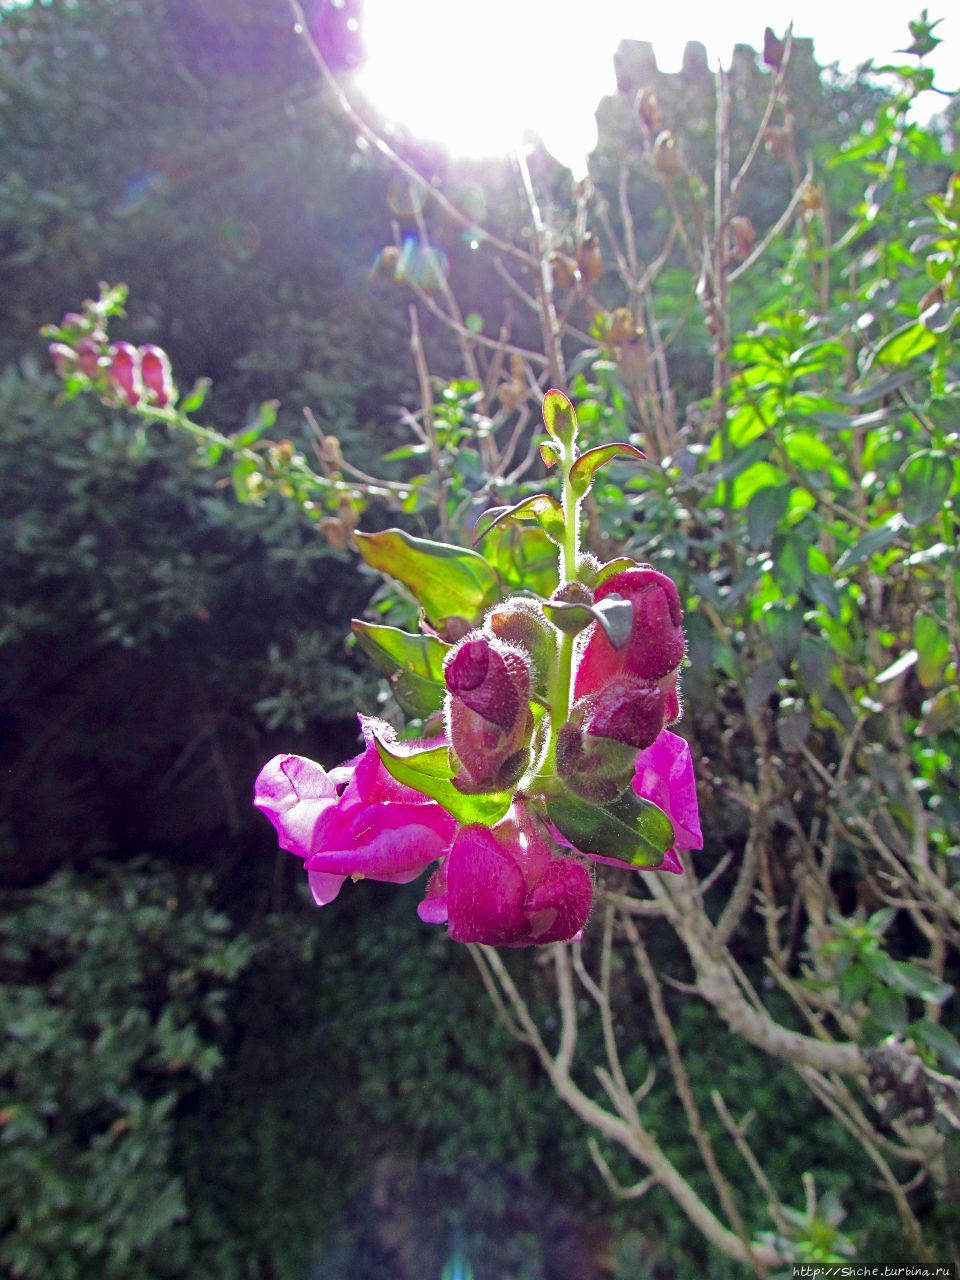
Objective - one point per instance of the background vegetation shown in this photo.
(184, 1038)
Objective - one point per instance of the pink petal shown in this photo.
(294, 793)
(486, 890)
(664, 775)
(323, 887)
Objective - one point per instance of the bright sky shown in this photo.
(473, 76)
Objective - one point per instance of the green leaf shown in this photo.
(876, 540)
(933, 647)
(808, 450)
(413, 664)
(632, 831)
(589, 463)
(854, 981)
(889, 1008)
(524, 557)
(266, 417)
(194, 399)
(904, 344)
(548, 454)
(926, 479)
(608, 570)
(614, 614)
(559, 417)
(447, 581)
(764, 512)
(430, 773)
(939, 1039)
(941, 713)
(541, 507)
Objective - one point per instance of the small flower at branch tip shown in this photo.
(508, 886)
(156, 375)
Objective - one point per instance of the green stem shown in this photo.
(561, 690)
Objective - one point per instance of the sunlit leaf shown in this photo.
(430, 773)
(876, 540)
(524, 557)
(933, 647)
(559, 416)
(541, 507)
(904, 344)
(447, 581)
(589, 463)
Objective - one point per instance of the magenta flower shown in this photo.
(355, 821)
(508, 886)
(664, 774)
(656, 645)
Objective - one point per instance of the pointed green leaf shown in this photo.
(876, 540)
(904, 344)
(547, 512)
(447, 581)
(941, 713)
(559, 417)
(413, 664)
(632, 831)
(588, 464)
(933, 646)
(430, 773)
(926, 480)
(939, 1039)
(612, 567)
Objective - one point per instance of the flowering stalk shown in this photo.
(549, 751)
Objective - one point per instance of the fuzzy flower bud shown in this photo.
(508, 886)
(655, 646)
(124, 371)
(519, 622)
(488, 712)
(64, 358)
(155, 374)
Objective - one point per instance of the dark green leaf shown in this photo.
(939, 1039)
(764, 512)
(632, 831)
(876, 540)
(447, 581)
(926, 479)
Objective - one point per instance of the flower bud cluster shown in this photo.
(624, 697)
(120, 371)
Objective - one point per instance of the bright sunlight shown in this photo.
(431, 63)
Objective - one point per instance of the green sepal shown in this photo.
(547, 512)
(614, 614)
(588, 464)
(413, 664)
(429, 772)
(447, 581)
(559, 417)
(631, 830)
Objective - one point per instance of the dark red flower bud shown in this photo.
(155, 375)
(655, 646)
(125, 371)
(488, 712)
